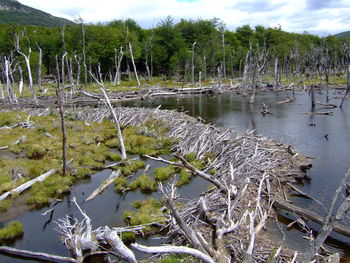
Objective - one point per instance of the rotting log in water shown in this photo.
(282, 204)
(23, 187)
(104, 185)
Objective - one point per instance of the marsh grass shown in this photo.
(144, 183)
(88, 148)
(163, 173)
(147, 211)
(12, 231)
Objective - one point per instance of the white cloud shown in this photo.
(296, 16)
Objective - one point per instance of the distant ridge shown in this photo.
(12, 11)
(345, 34)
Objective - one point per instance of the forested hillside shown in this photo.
(12, 11)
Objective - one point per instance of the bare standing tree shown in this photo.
(148, 50)
(27, 61)
(192, 62)
(99, 81)
(118, 61)
(39, 65)
(61, 109)
(134, 65)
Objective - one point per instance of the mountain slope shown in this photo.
(12, 11)
(345, 34)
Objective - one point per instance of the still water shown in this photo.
(324, 138)
(330, 158)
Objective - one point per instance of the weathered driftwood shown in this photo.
(28, 184)
(35, 255)
(173, 249)
(104, 185)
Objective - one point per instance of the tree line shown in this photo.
(184, 51)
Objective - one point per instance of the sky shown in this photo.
(321, 17)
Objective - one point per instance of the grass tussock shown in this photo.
(12, 231)
(147, 211)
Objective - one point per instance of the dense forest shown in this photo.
(171, 50)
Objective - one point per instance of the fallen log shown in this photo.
(339, 228)
(173, 249)
(318, 113)
(28, 184)
(104, 185)
(35, 255)
(326, 104)
(285, 101)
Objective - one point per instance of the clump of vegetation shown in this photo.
(5, 204)
(83, 173)
(147, 211)
(144, 183)
(130, 167)
(163, 173)
(128, 237)
(178, 258)
(11, 231)
(120, 184)
(190, 157)
(52, 187)
(184, 177)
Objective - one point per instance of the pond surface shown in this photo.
(330, 154)
(331, 159)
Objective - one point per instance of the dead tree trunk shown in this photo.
(224, 55)
(27, 60)
(70, 75)
(312, 96)
(116, 120)
(118, 61)
(84, 56)
(192, 62)
(2, 95)
(347, 85)
(134, 65)
(276, 74)
(330, 221)
(77, 60)
(148, 50)
(39, 65)
(61, 109)
(10, 94)
(20, 83)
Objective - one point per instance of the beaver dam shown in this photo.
(242, 179)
